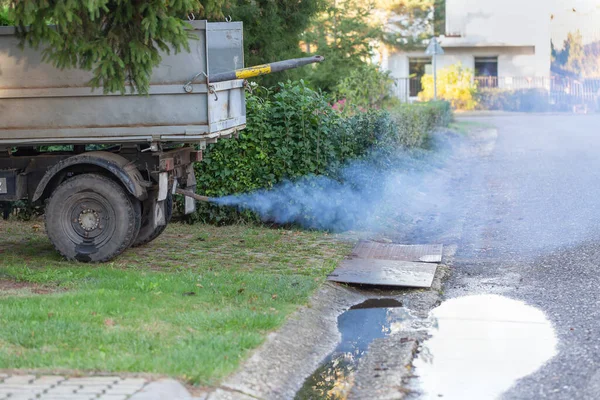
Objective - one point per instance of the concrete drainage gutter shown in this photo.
(277, 370)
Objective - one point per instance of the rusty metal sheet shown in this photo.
(429, 253)
(385, 273)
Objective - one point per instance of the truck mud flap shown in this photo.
(13, 185)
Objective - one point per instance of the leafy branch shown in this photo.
(119, 41)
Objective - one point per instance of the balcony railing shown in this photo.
(407, 89)
(514, 83)
(567, 92)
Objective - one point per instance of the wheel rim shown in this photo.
(88, 220)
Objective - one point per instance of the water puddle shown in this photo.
(359, 326)
(480, 346)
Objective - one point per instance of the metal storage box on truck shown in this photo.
(98, 203)
(40, 104)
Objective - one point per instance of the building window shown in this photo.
(417, 67)
(486, 71)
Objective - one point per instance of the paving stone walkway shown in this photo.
(51, 387)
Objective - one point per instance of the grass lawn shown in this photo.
(190, 304)
(464, 127)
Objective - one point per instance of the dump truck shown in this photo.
(106, 166)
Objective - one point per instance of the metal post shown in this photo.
(434, 79)
(434, 49)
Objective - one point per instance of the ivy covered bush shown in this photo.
(292, 132)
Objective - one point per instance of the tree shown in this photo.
(272, 31)
(576, 56)
(413, 22)
(439, 17)
(592, 60)
(345, 34)
(119, 40)
(4, 18)
(570, 60)
(454, 84)
(365, 88)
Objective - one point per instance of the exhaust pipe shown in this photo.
(195, 196)
(264, 69)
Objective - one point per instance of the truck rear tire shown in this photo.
(91, 218)
(148, 233)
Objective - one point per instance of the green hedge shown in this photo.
(529, 100)
(294, 132)
(525, 100)
(441, 113)
(415, 121)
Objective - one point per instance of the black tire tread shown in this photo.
(159, 230)
(137, 209)
(133, 221)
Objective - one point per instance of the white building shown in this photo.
(506, 43)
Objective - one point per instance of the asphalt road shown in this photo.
(521, 210)
(531, 231)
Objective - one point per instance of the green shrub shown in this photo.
(415, 121)
(523, 100)
(287, 136)
(356, 135)
(294, 132)
(493, 99)
(454, 84)
(533, 100)
(443, 113)
(4, 18)
(366, 87)
(440, 113)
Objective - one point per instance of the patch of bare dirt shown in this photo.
(9, 287)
